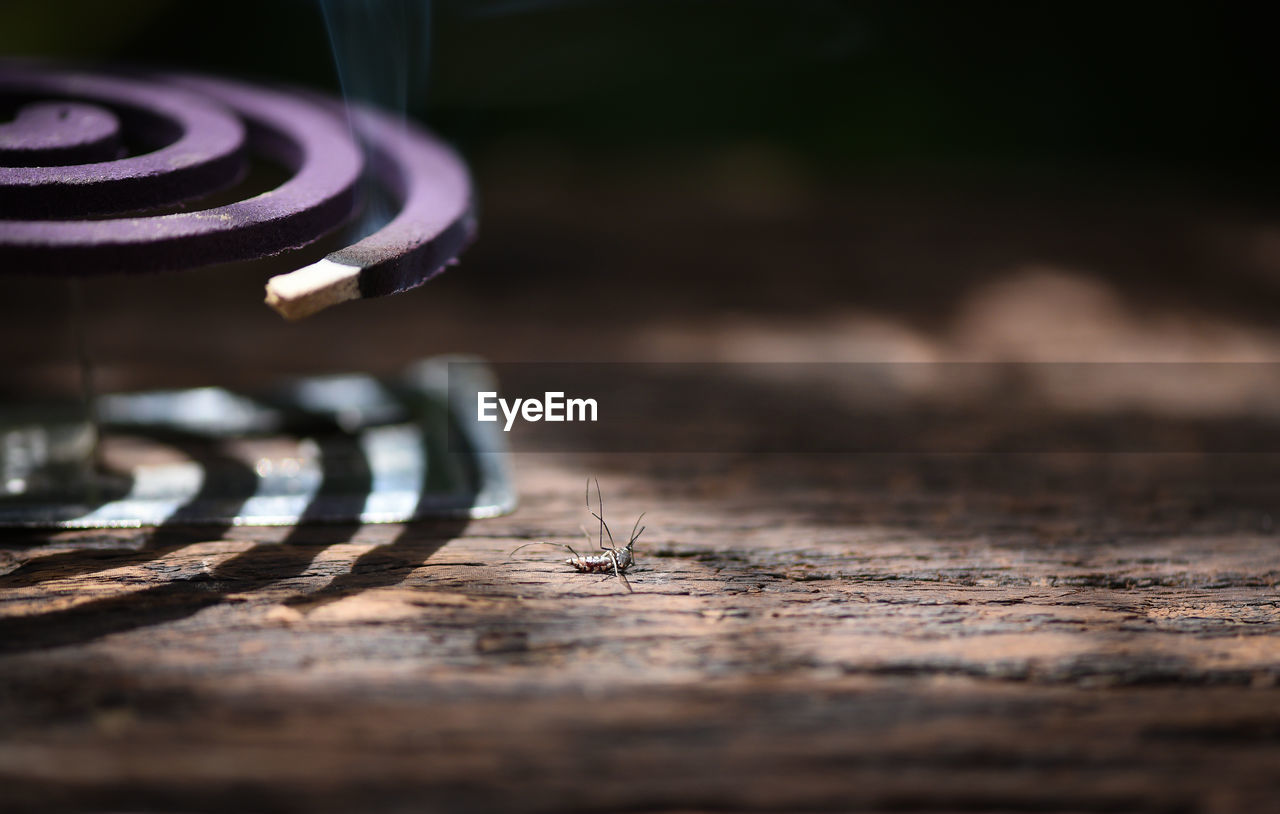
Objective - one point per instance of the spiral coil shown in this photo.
(93, 165)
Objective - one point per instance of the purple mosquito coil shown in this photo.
(74, 200)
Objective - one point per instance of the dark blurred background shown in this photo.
(1143, 89)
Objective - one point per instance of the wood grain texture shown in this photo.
(806, 650)
(807, 632)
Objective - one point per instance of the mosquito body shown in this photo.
(618, 558)
(613, 560)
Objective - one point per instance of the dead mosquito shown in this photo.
(612, 558)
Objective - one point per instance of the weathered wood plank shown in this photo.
(902, 632)
(770, 658)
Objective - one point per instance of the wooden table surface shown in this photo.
(1047, 631)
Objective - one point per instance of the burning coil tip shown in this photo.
(313, 288)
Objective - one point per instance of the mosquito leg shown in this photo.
(634, 535)
(604, 525)
(599, 516)
(611, 545)
(526, 545)
(617, 572)
(625, 584)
